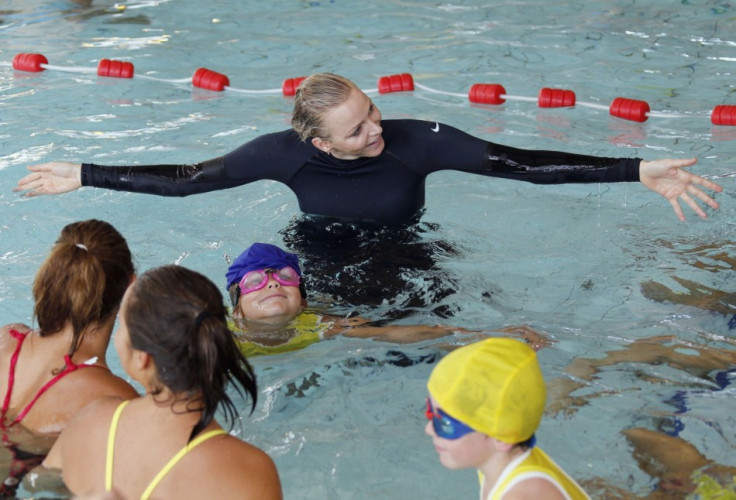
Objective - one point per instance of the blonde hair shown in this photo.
(316, 95)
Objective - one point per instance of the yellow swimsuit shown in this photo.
(169, 465)
(309, 327)
(535, 463)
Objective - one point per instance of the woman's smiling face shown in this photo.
(354, 129)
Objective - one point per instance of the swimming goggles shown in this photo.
(255, 280)
(444, 425)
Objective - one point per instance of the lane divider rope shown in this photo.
(479, 93)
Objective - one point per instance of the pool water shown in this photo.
(597, 268)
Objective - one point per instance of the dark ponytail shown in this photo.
(177, 316)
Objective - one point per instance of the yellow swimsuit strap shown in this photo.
(175, 459)
(111, 444)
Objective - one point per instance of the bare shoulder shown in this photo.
(52, 413)
(6, 341)
(235, 468)
(244, 458)
(102, 382)
(78, 390)
(85, 423)
(98, 412)
(536, 487)
(21, 327)
(89, 425)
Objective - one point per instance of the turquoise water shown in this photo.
(342, 418)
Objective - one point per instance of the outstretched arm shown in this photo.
(407, 334)
(400, 334)
(271, 156)
(668, 178)
(55, 177)
(162, 180)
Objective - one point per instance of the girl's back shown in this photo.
(40, 390)
(147, 436)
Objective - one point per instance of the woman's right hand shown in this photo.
(51, 178)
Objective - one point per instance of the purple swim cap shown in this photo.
(260, 256)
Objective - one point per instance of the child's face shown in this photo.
(273, 302)
(468, 451)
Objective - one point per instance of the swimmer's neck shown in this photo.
(266, 325)
(267, 334)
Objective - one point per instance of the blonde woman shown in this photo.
(341, 159)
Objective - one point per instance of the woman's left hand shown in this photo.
(668, 178)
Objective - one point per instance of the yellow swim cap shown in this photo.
(495, 386)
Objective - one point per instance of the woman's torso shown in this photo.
(388, 188)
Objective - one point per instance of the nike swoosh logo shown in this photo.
(436, 127)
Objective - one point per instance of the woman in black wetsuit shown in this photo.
(372, 170)
(368, 177)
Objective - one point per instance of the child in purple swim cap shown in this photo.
(270, 313)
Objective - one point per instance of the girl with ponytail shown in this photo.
(174, 340)
(49, 373)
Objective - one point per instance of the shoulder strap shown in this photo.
(111, 444)
(69, 367)
(175, 459)
(20, 337)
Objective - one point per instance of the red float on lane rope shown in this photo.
(290, 85)
(483, 93)
(556, 98)
(630, 109)
(210, 80)
(29, 62)
(723, 115)
(487, 93)
(395, 83)
(115, 69)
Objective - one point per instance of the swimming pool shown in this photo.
(343, 418)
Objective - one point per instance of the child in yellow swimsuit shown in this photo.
(485, 402)
(270, 312)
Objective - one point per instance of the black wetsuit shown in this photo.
(372, 248)
(388, 189)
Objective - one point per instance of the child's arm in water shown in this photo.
(408, 334)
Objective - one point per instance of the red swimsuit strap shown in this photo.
(69, 367)
(7, 443)
(20, 337)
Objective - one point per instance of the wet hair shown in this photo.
(316, 95)
(529, 443)
(83, 279)
(178, 317)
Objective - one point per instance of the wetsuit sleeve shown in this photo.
(163, 180)
(554, 167)
(272, 156)
(447, 148)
